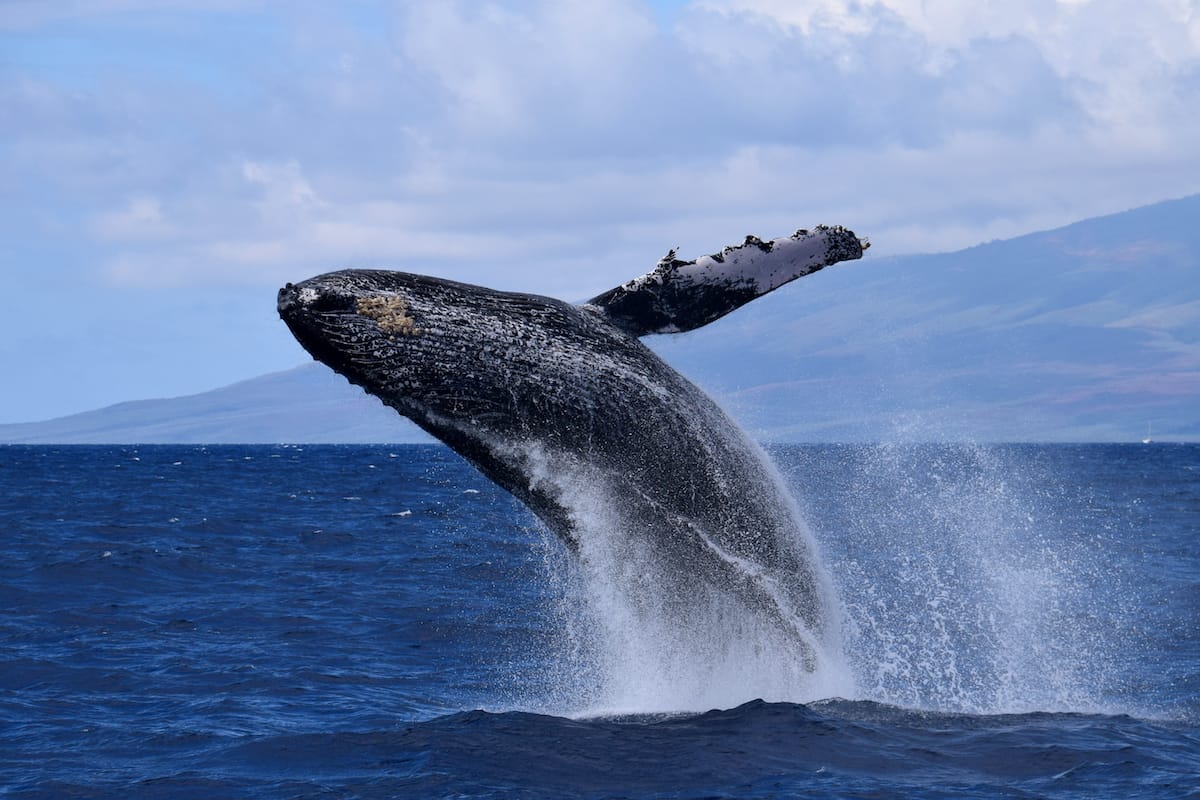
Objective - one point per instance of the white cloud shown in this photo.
(195, 157)
(284, 185)
(1121, 64)
(563, 146)
(509, 68)
(141, 218)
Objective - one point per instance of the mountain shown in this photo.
(1089, 332)
(310, 403)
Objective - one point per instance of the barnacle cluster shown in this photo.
(390, 314)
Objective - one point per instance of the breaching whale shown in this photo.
(553, 401)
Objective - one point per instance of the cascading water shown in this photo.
(642, 635)
(963, 583)
(970, 581)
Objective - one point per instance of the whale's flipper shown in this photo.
(679, 296)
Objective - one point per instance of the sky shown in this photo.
(165, 165)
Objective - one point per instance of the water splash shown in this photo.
(641, 635)
(968, 579)
(967, 586)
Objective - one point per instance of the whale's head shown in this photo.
(451, 356)
(358, 322)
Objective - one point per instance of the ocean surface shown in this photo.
(382, 622)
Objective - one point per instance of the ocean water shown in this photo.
(348, 621)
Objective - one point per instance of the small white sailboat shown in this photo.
(1147, 439)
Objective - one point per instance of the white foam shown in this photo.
(637, 636)
(969, 606)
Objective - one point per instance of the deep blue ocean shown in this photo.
(382, 622)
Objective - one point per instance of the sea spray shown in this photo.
(643, 631)
(969, 579)
(967, 584)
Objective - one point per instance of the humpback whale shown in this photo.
(551, 400)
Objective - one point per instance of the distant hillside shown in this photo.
(306, 404)
(1090, 332)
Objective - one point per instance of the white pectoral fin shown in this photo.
(679, 296)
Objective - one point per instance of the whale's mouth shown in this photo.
(327, 322)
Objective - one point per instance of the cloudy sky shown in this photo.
(166, 164)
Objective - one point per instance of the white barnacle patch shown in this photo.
(307, 296)
(390, 314)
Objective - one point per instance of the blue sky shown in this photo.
(165, 166)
